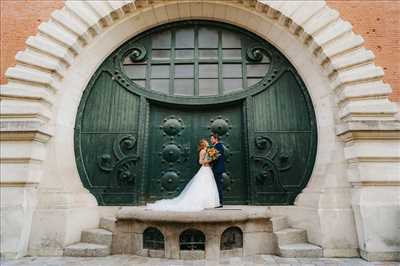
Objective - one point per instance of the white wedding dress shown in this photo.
(200, 193)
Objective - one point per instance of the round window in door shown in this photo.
(148, 104)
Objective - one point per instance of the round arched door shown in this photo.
(146, 107)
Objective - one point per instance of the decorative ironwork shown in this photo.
(231, 238)
(227, 181)
(273, 161)
(256, 53)
(138, 53)
(273, 103)
(172, 126)
(171, 152)
(124, 166)
(220, 126)
(153, 239)
(170, 180)
(192, 239)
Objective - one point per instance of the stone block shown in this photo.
(86, 250)
(291, 236)
(97, 236)
(192, 254)
(259, 243)
(300, 250)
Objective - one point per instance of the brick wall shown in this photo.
(377, 21)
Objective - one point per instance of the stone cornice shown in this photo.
(28, 135)
(369, 130)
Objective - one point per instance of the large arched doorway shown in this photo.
(152, 99)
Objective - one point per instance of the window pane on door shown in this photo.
(184, 38)
(208, 87)
(257, 70)
(231, 85)
(184, 87)
(208, 54)
(135, 71)
(208, 71)
(161, 40)
(208, 38)
(232, 53)
(232, 70)
(184, 71)
(230, 40)
(161, 54)
(160, 85)
(184, 54)
(160, 71)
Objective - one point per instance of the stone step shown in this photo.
(291, 236)
(108, 223)
(300, 250)
(97, 236)
(86, 250)
(279, 223)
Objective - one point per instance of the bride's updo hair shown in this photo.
(203, 143)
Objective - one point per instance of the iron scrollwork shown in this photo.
(138, 53)
(256, 53)
(124, 167)
(272, 160)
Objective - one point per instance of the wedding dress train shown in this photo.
(201, 192)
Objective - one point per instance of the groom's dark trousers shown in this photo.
(218, 168)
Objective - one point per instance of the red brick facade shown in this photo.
(377, 21)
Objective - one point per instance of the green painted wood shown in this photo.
(135, 144)
(172, 149)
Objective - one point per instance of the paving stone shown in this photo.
(130, 260)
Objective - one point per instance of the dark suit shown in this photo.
(218, 167)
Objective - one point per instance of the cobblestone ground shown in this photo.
(125, 260)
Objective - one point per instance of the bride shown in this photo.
(201, 192)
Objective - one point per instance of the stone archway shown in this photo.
(353, 174)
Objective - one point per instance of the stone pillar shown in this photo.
(64, 207)
(23, 149)
(372, 151)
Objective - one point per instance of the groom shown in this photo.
(218, 167)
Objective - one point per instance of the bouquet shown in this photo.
(212, 154)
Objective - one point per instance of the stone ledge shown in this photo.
(369, 130)
(226, 214)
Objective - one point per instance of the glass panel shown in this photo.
(230, 40)
(160, 71)
(184, 54)
(183, 71)
(140, 82)
(232, 53)
(208, 38)
(252, 81)
(184, 38)
(208, 70)
(208, 87)
(161, 85)
(135, 71)
(161, 54)
(232, 85)
(208, 54)
(162, 40)
(232, 70)
(184, 87)
(258, 70)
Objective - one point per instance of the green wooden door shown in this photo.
(173, 155)
(146, 107)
